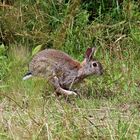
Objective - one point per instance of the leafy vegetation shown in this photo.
(108, 106)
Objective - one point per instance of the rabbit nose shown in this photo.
(101, 72)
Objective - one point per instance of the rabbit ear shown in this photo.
(89, 53)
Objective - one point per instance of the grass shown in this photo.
(108, 106)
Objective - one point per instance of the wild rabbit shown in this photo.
(62, 70)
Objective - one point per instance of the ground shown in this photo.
(108, 106)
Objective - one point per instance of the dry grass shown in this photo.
(108, 106)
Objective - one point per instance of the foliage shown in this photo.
(108, 106)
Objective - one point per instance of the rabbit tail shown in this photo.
(27, 76)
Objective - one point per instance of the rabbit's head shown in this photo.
(90, 65)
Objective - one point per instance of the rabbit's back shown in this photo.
(50, 60)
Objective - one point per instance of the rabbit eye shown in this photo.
(94, 64)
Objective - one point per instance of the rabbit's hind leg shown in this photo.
(59, 89)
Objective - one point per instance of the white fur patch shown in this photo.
(27, 77)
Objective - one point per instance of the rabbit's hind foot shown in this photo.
(65, 92)
(59, 89)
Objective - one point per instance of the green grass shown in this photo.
(108, 106)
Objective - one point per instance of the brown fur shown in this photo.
(62, 70)
(38, 64)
